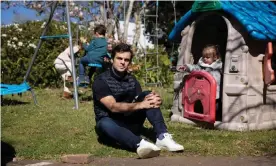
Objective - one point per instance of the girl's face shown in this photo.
(209, 55)
(109, 47)
(109, 44)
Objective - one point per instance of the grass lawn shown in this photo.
(54, 129)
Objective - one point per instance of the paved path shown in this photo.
(162, 161)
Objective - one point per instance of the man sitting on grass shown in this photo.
(121, 108)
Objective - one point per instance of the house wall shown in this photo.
(143, 42)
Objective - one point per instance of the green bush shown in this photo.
(18, 46)
(162, 74)
(18, 43)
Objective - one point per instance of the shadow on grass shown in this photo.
(86, 98)
(145, 132)
(269, 148)
(7, 153)
(85, 94)
(7, 102)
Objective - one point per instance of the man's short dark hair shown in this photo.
(122, 47)
(100, 29)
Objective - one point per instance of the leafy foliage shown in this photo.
(18, 45)
(55, 129)
(162, 74)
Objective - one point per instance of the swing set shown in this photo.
(7, 89)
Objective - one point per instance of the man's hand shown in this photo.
(152, 100)
(156, 97)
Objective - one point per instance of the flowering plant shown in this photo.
(17, 48)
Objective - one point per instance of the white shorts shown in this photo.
(65, 71)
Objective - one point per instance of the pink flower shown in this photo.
(71, 13)
(80, 14)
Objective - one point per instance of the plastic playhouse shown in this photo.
(246, 34)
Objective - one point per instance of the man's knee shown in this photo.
(105, 123)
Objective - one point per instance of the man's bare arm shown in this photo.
(113, 106)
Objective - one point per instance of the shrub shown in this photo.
(18, 45)
(162, 74)
(19, 42)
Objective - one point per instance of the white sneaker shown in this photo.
(168, 143)
(147, 149)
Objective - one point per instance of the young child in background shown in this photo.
(110, 42)
(64, 66)
(95, 52)
(210, 62)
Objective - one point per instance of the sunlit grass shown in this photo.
(54, 129)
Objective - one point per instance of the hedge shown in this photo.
(18, 43)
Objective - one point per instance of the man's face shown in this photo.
(121, 61)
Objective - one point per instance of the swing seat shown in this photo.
(95, 65)
(7, 89)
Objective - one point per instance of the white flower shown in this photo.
(16, 25)
(38, 6)
(91, 24)
(20, 29)
(15, 38)
(63, 27)
(20, 44)
(43, 25)
(32, 45)
(71, 13)
(9, 42)
(4, 35)
(80, 14)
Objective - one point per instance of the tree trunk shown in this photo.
(138, 22)
(137, 29)
(117, 22)
(110, 20)
(127, 20)
(102, 13)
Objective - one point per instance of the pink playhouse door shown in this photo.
(200, 86)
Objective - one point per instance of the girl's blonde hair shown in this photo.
(211, 50)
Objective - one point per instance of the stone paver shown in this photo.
(77, 158)
(162, 161)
